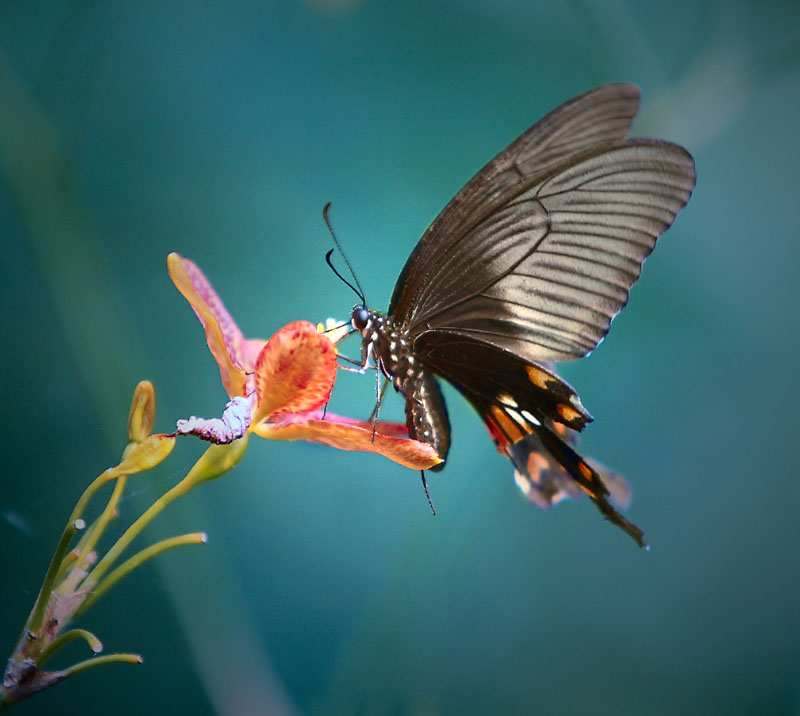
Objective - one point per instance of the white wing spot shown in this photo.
(516, 417)
(529, 417)
(506, 399)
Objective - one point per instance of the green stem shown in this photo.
(77, 512)
(89, 492)
(94, 643)
(37, 616)
(133, 531)
(66, 565)
(137, 560)
(95, 532)
(100, 660)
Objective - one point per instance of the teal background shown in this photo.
(219, 130)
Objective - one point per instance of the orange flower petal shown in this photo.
(294, 372)
(348, 436)
(222, 334)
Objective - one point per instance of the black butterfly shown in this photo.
(528, 264)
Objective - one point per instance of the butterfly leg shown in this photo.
(374, 414)
(361, 366)
(377, 409)
(352, 361)
(427, 494)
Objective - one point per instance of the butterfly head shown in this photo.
(361, 318)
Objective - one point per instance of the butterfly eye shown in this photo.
(360, 318)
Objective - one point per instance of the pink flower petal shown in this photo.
(294, 372)
(222, 334)
(345, 434)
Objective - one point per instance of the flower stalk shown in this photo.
(70, 585)
(277, 389)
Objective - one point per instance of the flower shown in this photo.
(277, 387)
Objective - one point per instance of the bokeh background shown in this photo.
(219, 130)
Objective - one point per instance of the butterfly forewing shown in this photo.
(545, 274)
(597, 116)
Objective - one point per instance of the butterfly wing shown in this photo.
(545, 481)
(545, 273)
(547, 466)
(538, 252)
(595, 117)
(501, 378)
(529, 264)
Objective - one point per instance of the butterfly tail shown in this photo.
(548, 468)
(596, 481)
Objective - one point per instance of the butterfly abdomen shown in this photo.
(426, 413)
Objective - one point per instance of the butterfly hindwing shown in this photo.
(500, 376)
(548, 468)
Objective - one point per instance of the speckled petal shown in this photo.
(294, 372)
(225, 340)
(345, 434)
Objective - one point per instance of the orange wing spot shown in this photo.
(506, 425)
(586, 471)
(567, 412)
(537, 376)
(536, 465)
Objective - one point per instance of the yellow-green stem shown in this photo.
(94, 644)
(88, 493)
(70, 584)
(96, 530)
(137, 560)
(37, 616)
(72, 558)
(100, 660)
(133, 531)
(67, 564)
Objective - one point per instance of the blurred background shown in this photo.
(219, 130)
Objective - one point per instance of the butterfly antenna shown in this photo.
(358, 291)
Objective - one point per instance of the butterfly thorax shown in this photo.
(386, 344)
(391, 348)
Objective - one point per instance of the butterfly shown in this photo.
(527, 265)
